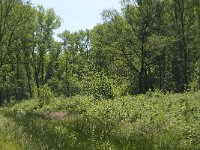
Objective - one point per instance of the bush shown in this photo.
(102, 88)
(45, 95)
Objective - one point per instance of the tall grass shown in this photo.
(12, 136)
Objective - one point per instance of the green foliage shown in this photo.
(102, 88)
(147, 45)
(69, 86)
(195, 81)
(45, 95)
(150, 44)
(151, 122)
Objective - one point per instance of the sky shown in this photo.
(78, 14)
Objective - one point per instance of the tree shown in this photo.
(46, 23)
(15, 15)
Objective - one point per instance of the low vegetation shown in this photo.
(99, 88)
(145, 122)
(12, 136)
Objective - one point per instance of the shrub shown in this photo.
(102, 88)
(45, 95)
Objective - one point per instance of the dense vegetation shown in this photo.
(79, 89)
(149, 44)
(145, 122)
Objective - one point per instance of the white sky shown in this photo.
(78, 14)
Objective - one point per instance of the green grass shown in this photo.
(6, 139)
(145, 122)
(12, 136)
(5, 144)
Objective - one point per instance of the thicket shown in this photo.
(145, 122)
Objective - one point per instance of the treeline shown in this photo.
(149, 44)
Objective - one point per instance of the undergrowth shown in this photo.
(145, 122)
(12, 136)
